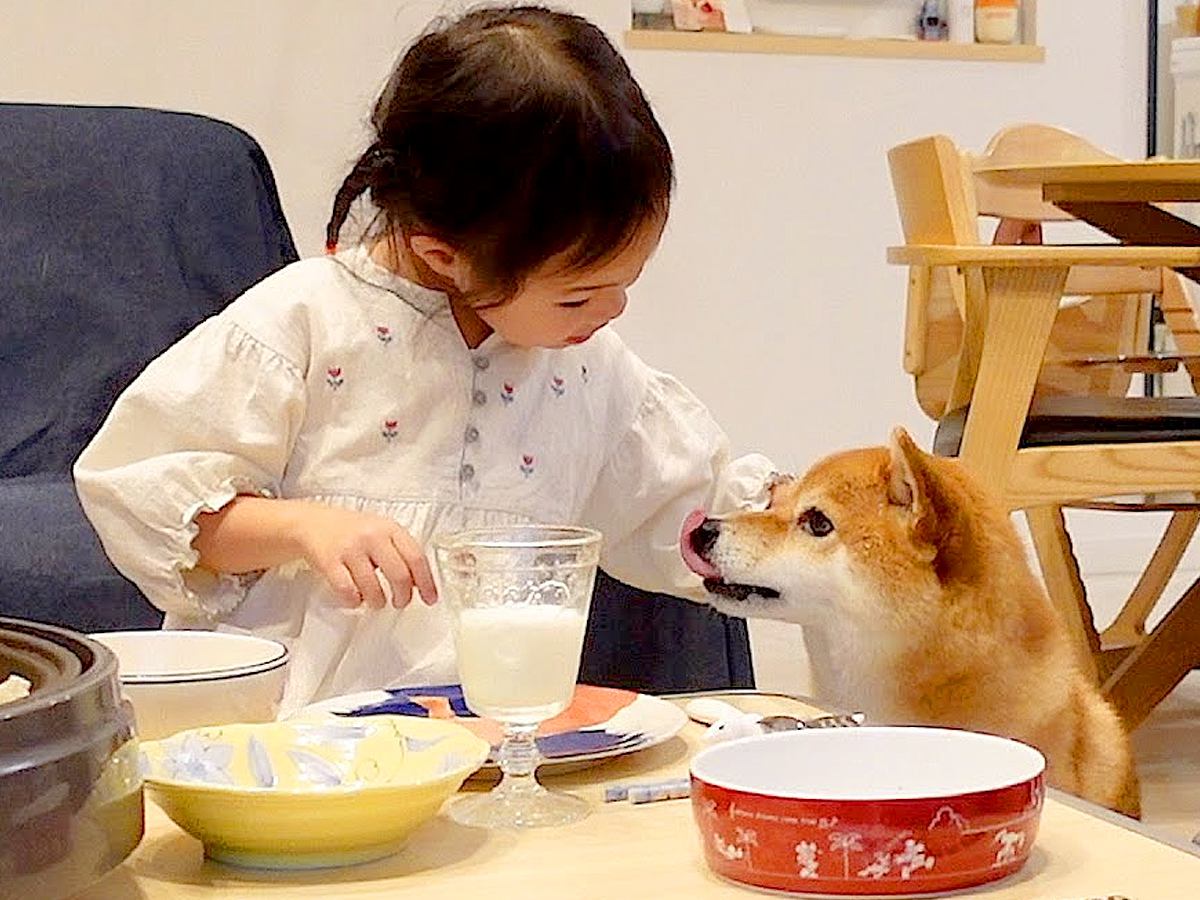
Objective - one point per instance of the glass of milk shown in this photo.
(519, 600)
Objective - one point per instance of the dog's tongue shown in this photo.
(694, 560)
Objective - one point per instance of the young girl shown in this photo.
(294, 456)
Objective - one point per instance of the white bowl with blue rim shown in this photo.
(178, 680)
(309, 794)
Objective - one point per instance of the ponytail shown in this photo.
(373, 170)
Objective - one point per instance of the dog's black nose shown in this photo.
(705, 536)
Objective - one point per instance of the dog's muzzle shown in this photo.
(696, 541)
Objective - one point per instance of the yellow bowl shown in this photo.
(309, 794)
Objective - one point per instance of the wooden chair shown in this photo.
(1114, 346)
(1012, 400)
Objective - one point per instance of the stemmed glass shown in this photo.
(519, 599)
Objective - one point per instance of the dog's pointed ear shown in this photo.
(938, 515)
(906, 466)
(913, 485)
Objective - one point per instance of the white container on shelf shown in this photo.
(1185, 73)
(961, 16)
(997, 21)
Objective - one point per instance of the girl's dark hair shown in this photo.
(513, 135)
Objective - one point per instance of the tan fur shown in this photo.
(920, 607)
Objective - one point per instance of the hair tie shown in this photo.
(379, 159)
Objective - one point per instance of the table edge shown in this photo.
(1115, 818)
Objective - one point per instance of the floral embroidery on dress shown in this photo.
(384, 334)
(557, 385)
(391, 428)
(333, 377)
(526, 465)
(507, 392)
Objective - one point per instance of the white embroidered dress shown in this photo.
(334, 380)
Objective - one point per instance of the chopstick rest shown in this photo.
(724, 720)
(650, 791)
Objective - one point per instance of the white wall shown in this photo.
(769, 296)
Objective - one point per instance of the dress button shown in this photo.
(472, 434)
(482, 362)
(479, 397)
(467, 472)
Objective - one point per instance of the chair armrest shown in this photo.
(1041, 255)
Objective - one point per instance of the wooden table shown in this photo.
(1119, 198)
(625, 852)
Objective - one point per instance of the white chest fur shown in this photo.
(852, 669)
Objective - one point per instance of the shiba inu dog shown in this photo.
(918, 607)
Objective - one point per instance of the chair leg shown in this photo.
(1129, 627)
(1060, 570)
(1159, 663)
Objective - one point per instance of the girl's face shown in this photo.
(557, 308)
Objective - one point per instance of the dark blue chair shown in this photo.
(120, 229)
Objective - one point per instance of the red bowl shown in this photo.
(862, 811)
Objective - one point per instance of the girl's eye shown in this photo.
(816, 522)
(573, 304)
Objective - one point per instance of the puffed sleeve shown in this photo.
(673, 459)
(213, 417)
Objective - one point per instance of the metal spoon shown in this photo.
(791, 723)
(707, 710)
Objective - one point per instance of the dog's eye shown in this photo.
(816, 523)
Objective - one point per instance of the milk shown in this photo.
(518, 663)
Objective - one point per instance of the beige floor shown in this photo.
(1167, 745)
(1168, 756)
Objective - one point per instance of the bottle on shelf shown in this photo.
(931, 23)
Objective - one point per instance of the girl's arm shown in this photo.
(347, 547)
(673, 458)
(248, 535)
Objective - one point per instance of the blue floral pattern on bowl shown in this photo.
(194, 758)
(312, 755)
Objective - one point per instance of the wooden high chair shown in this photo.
(1012, 374)
(1109, 347)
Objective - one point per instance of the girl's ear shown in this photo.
(442, 259)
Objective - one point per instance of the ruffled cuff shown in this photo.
(744, 484)
(212, 594)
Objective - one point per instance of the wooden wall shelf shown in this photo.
(724, 42)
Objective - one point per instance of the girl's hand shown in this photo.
(350, 548)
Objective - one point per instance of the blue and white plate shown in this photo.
(640, 721)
